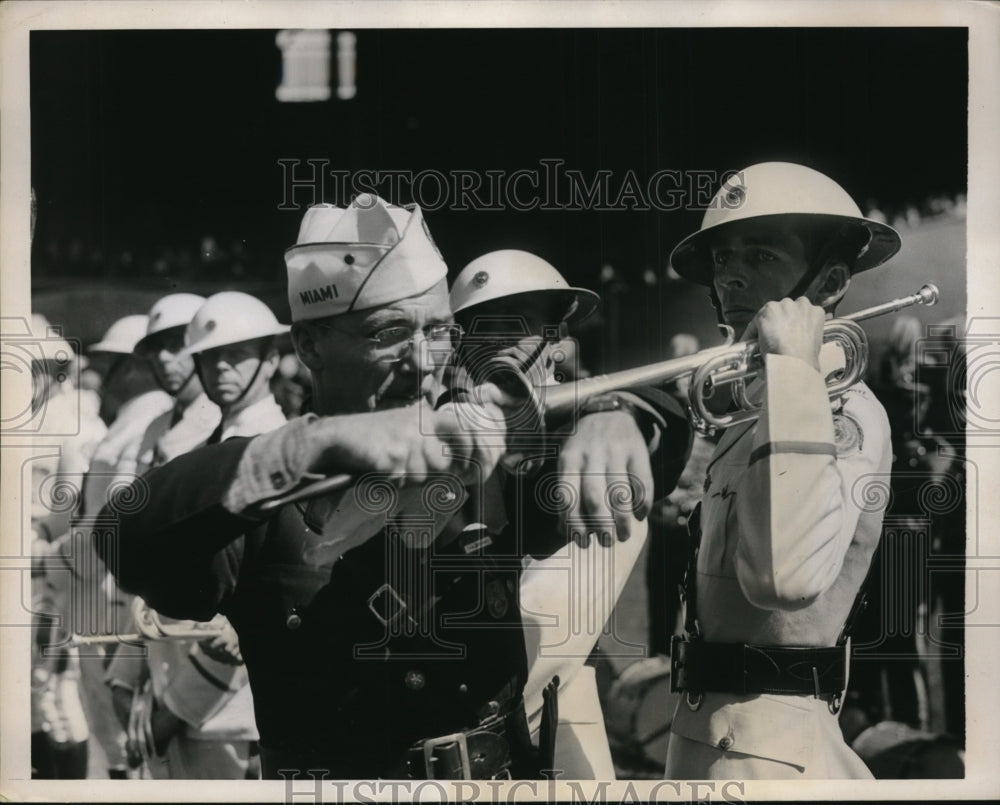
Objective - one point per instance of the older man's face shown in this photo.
(384, 357)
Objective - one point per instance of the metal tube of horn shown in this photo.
(735, 364)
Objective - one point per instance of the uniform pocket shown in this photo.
(779, 728)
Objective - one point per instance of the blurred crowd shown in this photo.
(129, 705)
(215, 257)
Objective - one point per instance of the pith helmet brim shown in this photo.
(692, 258)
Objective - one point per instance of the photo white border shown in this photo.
(19, 17)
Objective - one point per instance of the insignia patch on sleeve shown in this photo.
(847, 435)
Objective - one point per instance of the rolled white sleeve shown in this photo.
(797, 507)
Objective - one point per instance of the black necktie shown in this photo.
(216, 436)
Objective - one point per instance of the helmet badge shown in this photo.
(735, 196)
(481, 278)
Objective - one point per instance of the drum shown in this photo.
(640, 707)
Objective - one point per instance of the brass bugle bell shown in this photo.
(733, 364)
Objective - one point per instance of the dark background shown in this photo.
(145, 142)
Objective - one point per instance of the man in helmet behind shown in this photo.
(786, 537)
(194, 416)
(188, 741)
(202, 725)
(514, 304)
(130, 400)
(232, 341)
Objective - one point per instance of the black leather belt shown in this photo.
(697, 665)
(482, 753)
(497, 748)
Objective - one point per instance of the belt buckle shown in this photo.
(386, 588)
(463, 752)
(837, 700)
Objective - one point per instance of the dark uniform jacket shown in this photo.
(354, 659)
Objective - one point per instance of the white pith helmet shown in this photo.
(173, 310)
(57, 348)
(782, 189)
(122, 336)
(227, 318)
(511, 272)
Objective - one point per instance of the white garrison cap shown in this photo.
(371, 254)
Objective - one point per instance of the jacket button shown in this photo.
(414, 680)
(294, 621)
(726, 743)
(463, 688)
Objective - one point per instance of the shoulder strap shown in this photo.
(860, 600)
(689, 591)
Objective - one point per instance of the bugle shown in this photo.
(151, 627)
(732, 364)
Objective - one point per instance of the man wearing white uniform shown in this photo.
(198, 708)
(232, 341)
(130, 400)
(513, 303)
(786, 533)
(194, 417)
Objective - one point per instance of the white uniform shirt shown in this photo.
(163, 442)
(117, 456)
(791, 515)
(263, 416)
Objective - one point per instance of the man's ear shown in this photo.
(304, 341)
(832, 284)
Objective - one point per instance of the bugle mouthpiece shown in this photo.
(929, 294)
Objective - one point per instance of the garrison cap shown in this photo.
(373, 253)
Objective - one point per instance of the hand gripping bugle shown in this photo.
(730, 364)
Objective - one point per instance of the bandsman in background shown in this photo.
(186, 704)
(194, 416)
(515, 304)
(232, 341)
(131, 398)
(786, 538)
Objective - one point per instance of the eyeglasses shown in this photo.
(393, 344)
